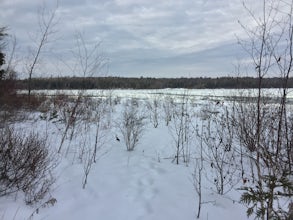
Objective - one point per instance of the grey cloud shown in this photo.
(140, 36)
(210, 62)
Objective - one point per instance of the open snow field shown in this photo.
(196, 94)
(143, 184)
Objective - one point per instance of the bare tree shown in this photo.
(220, 154)
(88, 61)
(180, 129)
(100, 109)
(167, 106)
(47, 23)
(197, 174)
(70, 119)
(87, 165)
(265, 130)
(153, 107)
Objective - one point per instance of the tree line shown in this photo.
(150, 83)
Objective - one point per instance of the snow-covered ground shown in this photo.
(196, 94)
(145, 183)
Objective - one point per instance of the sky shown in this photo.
(148, 38)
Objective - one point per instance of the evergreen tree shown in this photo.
(2, 54)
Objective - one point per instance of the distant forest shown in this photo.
(150, 83)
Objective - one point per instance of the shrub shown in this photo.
(132, 125)
(25, 165)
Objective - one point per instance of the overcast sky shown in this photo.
(149, 38)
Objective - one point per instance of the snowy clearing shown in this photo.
(145, 183)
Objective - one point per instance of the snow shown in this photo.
(197, 94)
(143, 184)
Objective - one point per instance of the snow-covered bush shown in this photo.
(153, 107)
(94, 135)
(132, 124)
(25, 165)
(217, 135)
(181, 130)
(168, 104)
(264, 135)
